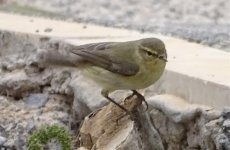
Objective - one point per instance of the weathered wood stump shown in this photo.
(111, 128)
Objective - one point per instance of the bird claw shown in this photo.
(141, 97)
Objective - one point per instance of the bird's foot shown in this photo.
(139, 96)
(127, 111)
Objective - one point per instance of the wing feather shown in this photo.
(98, 55)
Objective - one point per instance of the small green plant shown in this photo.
(41, 137)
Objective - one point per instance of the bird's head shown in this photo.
(152, 49)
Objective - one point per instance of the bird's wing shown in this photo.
(98, 55)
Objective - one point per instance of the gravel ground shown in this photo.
(204, 21)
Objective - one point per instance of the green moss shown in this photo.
(41, 137)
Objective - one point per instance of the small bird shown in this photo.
(129, 65)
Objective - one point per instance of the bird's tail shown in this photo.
(56, 58)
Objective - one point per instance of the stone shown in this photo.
(171, 133)
(60, 82)
(2, 140)
(87, 96)
(17, 84)
(226, 113)
(222, 142)
(178, 109)
(36, 100)
(183, 125)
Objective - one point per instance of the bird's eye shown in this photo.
(149, 53)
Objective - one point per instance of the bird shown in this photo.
(128, 65)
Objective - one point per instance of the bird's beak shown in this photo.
(164, 57)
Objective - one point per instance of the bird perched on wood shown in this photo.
(129, 65)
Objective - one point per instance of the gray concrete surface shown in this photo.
(204, 21)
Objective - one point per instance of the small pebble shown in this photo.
(36, 100)
(2, 140)
(48, 30)
(226, 113)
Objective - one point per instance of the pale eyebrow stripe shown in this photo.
(149, 50)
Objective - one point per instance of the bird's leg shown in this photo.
(139, 96)
(105, 93)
